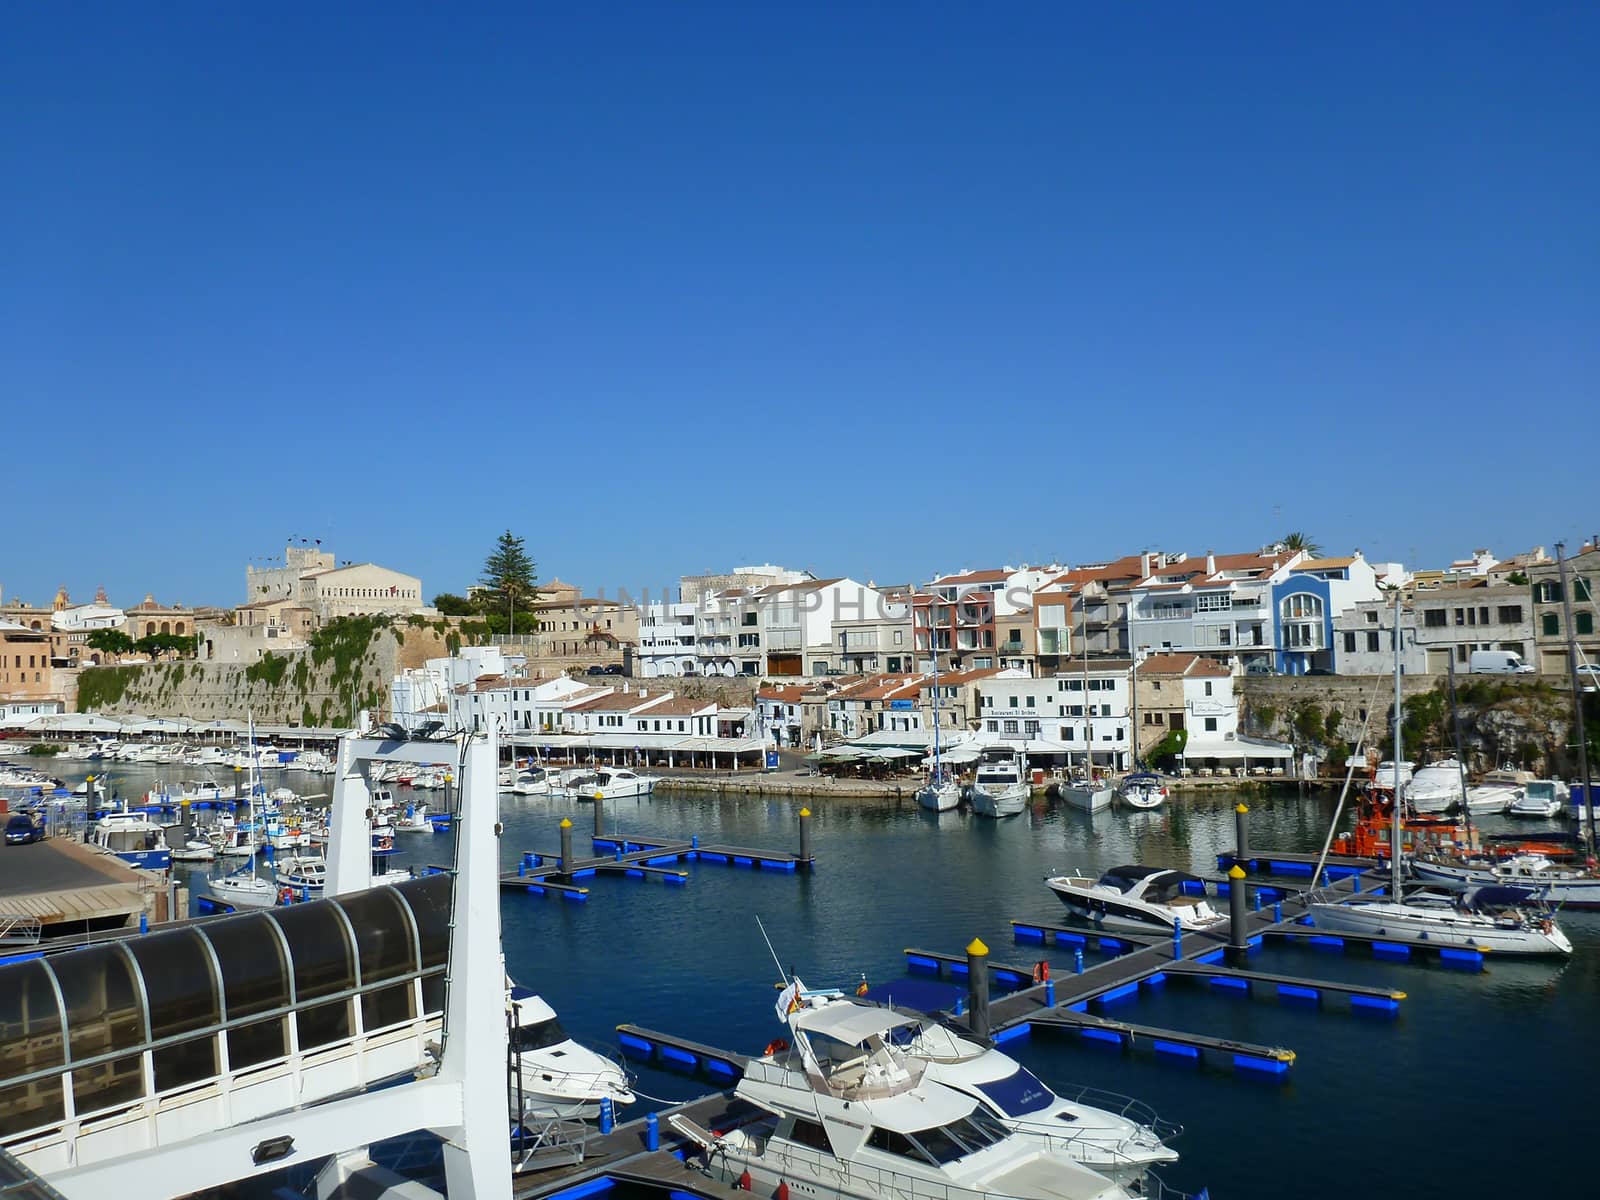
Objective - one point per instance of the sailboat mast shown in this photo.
(1577, 701)
(1088, 722)
(1461, 761)
(1399, 787)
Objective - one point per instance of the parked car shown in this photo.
(1257, 668)
(596, 671)
(21, 829)
(613, 669)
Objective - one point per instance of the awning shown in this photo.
(1236, 750)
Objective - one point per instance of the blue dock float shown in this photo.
(1043, 932)
(681, 1054)
(1242, 1056)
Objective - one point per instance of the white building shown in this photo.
(311, 577)
(666, 640)
(780, 713)
(1065, 714)
(1192, 693)
(14, 714)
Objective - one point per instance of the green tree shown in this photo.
(452, 605)
(1299, 541)
(109, 641)
(508, 576)
(157, 644)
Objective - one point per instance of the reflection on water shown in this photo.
(891, 875)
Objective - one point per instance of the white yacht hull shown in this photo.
(1492, 798)
(1528, 806)
(1111, 911)
(1087, 799)
(1423, 925)
(943, 797)
(1143, 797)
(989, 800)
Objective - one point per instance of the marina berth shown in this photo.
(1492, 917)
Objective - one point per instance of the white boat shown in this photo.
(413, 818)
(243, 889)
(1540, 798)
(134, 838)
(1492, 798)
(616, 784)
(555, 1077)
(941, 793)
(1436, 788)
(1103, 1137)
(1487, 917)
(849, 1116)
(1136, 897)
(188, 844)
(1142, 789)
(999, 789)
(1561, 887)
(303, 874)
(1391, 775)
(535, 781)
(1090, 795)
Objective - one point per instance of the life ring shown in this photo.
(1041, 971)
(286, 895)
(776, 1046)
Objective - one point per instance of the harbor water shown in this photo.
(1479, 1076)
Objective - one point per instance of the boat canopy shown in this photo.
(849, 1023)
(1499, 896)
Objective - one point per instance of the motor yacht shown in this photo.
(847, 1115)
(134, 838)
(1540, 798)
(535, 781)
(999, 789)
(1436, 788)
(555, 1077)
(1118, 1136)
(1391, 775)
(1563, 887)
(1136, 897)
(616, 784)
(1491, 917)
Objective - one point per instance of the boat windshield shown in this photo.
(538, 1035)
(1017, 1094)
(940, 1144)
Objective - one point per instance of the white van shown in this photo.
(1498, 662)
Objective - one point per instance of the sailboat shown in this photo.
(940, 793)
(244, 888)
(1084, 790)
(1488, 917)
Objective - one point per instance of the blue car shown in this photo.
(20, 830)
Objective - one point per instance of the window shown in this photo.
(809, 1133)
(1031, 728)
(1211, 724)
(1373, 637)
(1583, 622)
(1008, 727)
(1580, 588)
(1550, 625)
(1461, 653)
(1461, 616)
(1349, 643)
(1372, 617)
(1510, 614)
(1547, 591)
(1066, 733)
(1208, 687)
(1433, 618)
(1213, 602)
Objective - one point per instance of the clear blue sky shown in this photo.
(879, 290)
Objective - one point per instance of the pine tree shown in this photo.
(508, 577)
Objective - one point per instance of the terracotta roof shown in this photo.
(614, 702)
(1332, 564)
(790, 694)
(805, 585)
(679, 706)
(1182, 664)
(956, 678)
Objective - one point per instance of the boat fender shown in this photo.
(783, 1191)
(775, 1046)
(744, 1180)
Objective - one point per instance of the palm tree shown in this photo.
(1299, 541)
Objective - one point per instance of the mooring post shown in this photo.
(805, 838)
(599, 815)
(1355, 881)
(1177, 941)
(1258, 902)
(1277, 910)
(1049, 993)
(1077, 959)
(566, 845)
(606, 1119)
(652, 1132)
(1238, 936)
(978, 985)
(1241, 833)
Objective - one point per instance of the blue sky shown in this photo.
(878, 290)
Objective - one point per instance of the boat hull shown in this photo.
(1419, 926)
(942, 798)
(1087, 799)
(1559, 891)
(999, 802)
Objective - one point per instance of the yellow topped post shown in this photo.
(806, 858)
(976, 946)
(978, 985)
(1236, 872)
(1241, 834)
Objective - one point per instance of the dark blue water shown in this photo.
(1478, 1079)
